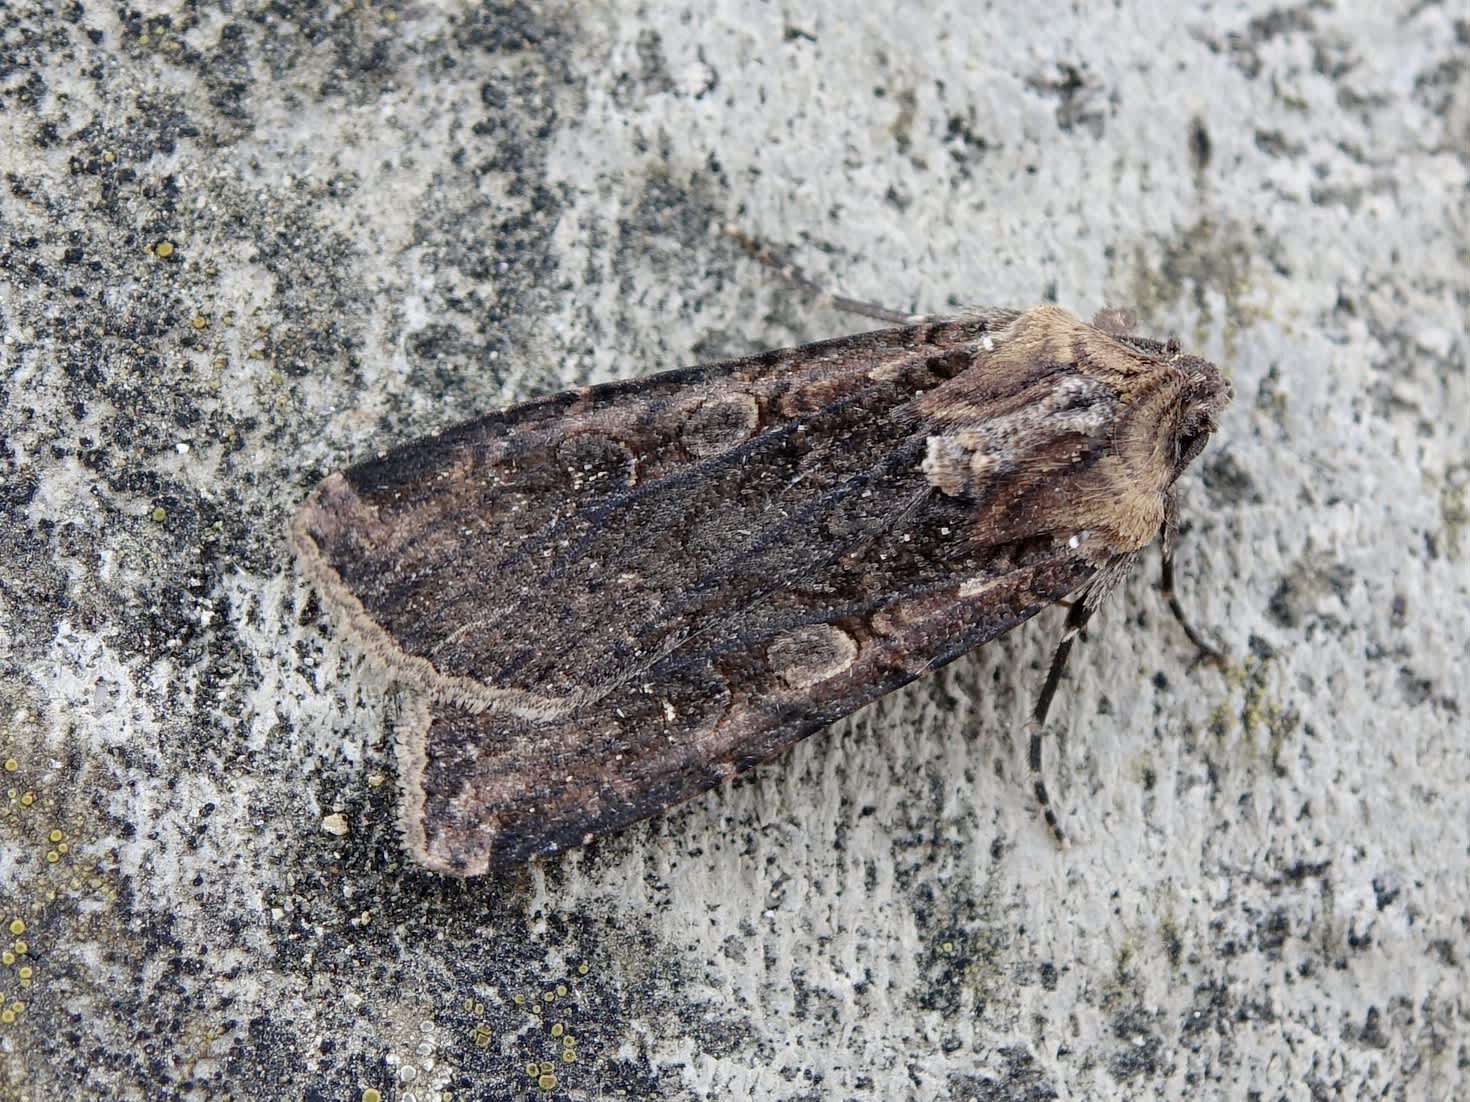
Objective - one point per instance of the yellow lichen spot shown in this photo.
(54, 836)
(481, 1035)
(63, 847)
(372, 1094)
(519, 1000)
(11, 765)
(7, 1015)
(546, 1081)
(7, 958)
(583, 968)
(533, 1069)
(25, 973)
(108, 157)
(28, 799)
(561, 991)
(164, 249)
(21, 948)
(199, 321)
(548, 995)
(569, 1041)
(546, 1067)
(558, 1029)
(948, 947)
(145, 40)
(568, 1056)
(158, 516)
(52, 857)
(17, 926)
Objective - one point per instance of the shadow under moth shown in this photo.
(606, 601)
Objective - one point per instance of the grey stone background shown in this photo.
(244, 244)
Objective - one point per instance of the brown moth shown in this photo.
(609, 600)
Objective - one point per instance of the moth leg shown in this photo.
(1077, 617)
(762, 252)
(1207, 653)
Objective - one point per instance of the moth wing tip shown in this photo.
(437, 853)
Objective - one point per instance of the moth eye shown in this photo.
(1191, 440)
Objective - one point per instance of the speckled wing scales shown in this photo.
(612, 599)
(609, 600)
(487, 790)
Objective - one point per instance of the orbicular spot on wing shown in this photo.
(811, 654)
(720, 423)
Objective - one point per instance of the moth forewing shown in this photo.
(607, 601)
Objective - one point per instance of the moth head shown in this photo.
(1202, 398)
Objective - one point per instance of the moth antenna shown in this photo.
(1077, 617)
(762, 252)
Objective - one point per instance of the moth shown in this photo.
(606, 601)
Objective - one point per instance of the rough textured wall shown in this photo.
(244, 244)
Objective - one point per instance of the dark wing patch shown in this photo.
(487, 791)
(613, 599)
(535, 558)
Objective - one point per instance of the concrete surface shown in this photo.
(244, 244)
